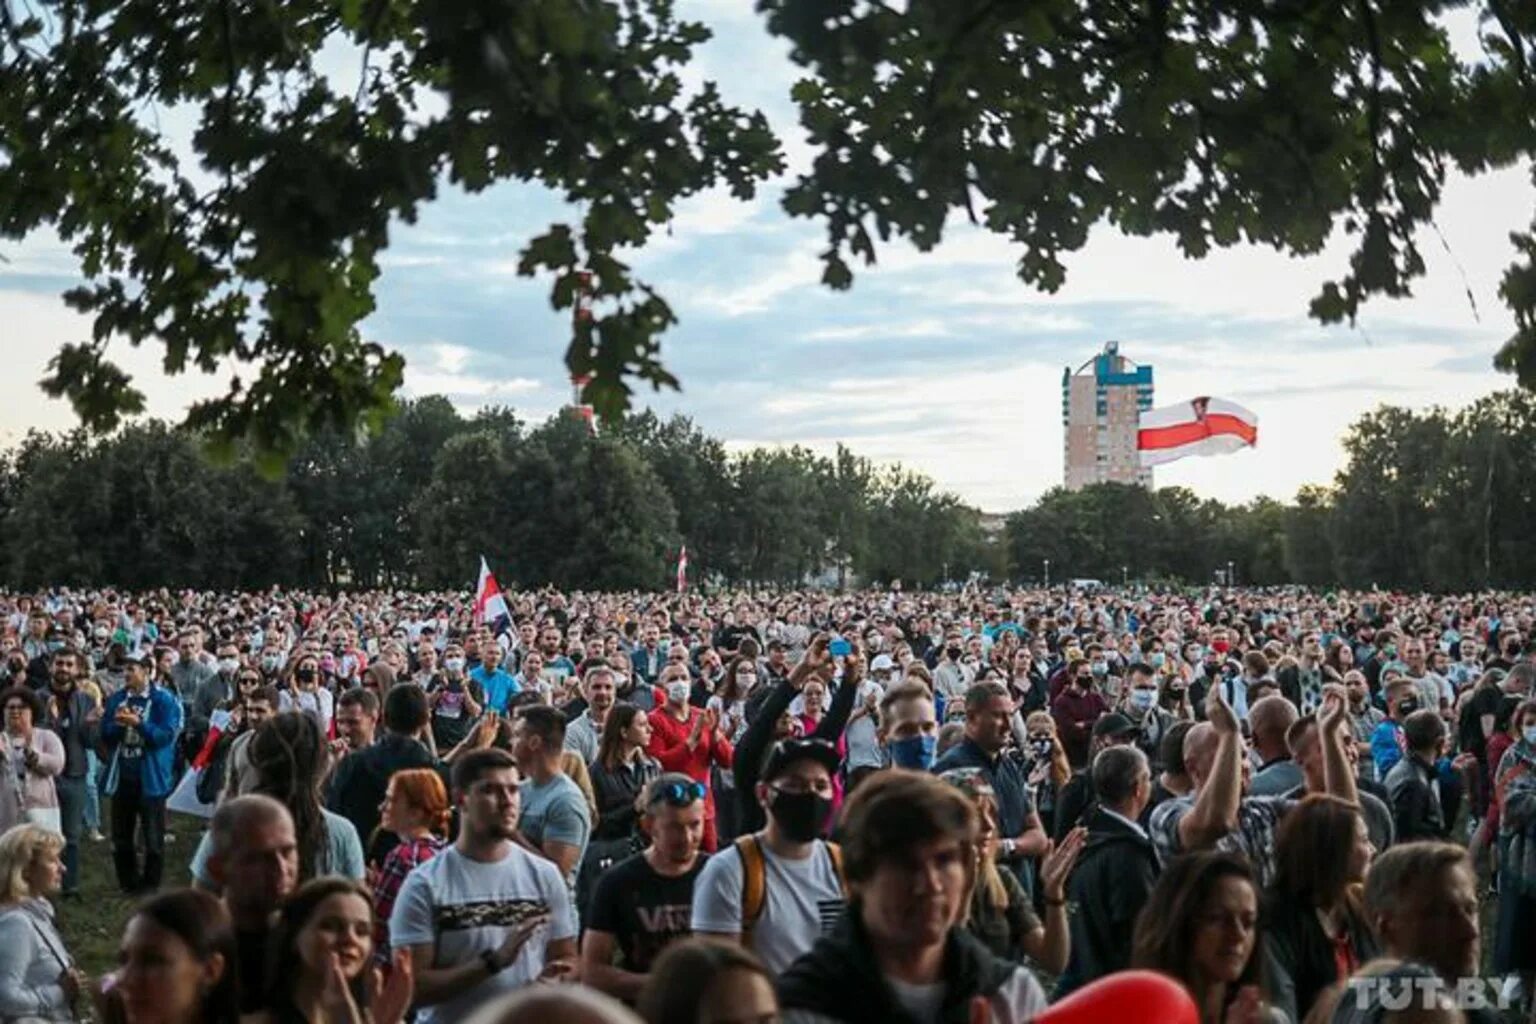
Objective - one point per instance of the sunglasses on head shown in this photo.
(678, 794)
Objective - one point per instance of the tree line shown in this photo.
(1438, 500)
(417, 504)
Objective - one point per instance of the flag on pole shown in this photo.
(1204, 426)
(682, 569)
(490, 605)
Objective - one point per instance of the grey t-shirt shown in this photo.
(556, 811)
(803, 900)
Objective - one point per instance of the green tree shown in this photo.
(696, 472)
(267, 254)
(1216, 122)
(779, 515)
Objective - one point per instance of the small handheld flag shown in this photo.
(682, 569)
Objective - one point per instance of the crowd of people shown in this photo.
(970, 805)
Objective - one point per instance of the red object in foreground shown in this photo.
(1130, 997)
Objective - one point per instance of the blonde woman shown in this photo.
(1001, 914)
(38, 978)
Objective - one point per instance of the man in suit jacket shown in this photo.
(1116, 871)
(650, 657)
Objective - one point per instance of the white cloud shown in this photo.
(800, 269)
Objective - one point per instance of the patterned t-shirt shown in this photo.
(463, 907)
(1258, 817)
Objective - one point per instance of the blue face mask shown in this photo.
(1530, 735)
(915, 752)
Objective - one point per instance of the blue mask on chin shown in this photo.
(915, 752)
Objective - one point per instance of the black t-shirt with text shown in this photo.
(644, 911)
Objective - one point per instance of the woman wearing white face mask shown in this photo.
(688, 739)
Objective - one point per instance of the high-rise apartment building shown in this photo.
(1101, 404)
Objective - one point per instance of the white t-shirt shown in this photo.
(863, 734)
(1017, 1001)
(803, 901)
(320, 703)
(464, 907)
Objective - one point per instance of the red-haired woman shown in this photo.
(416, 809)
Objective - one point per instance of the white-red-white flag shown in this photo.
(682, 569)
(1203, 426)
(490, 605)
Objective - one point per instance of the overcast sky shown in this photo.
(943, 361)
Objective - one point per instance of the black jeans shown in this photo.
(130, 808)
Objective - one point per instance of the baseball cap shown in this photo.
(1113, 724)
(786, 752)
(143, 656)
(882, 663)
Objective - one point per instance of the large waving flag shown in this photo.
(1204, 426)
(490, 605)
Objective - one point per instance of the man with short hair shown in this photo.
(484, 916)
(239, 772)
(1421, 902)
(644, 903)
(1218, 814)
(1116, 871)
(360, 781)
(1075, 803)
(599, 690)
(1387, 743)
(909, 727)
(1434, 690)
(780, 889)
(1075, 709)
(253, 858)
(1412, 784)
(648, 660)
(1269, 719)
(139, 727)
(555, 818)
(74, 716)
(218, 687)
(988, 727)
(1302, 740)
(495, 682)
(357, 716)
(191, 671)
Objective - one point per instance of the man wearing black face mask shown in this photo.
(779, 889)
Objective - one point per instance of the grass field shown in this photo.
(93, 924)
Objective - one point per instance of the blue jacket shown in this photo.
(160, 728)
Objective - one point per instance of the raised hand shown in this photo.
(1059, 862)
(1335, 710)
(390, 999)
(1218, 712)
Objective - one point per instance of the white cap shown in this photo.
(882, 663)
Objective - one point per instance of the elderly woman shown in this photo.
(38, 979)
(34, 757)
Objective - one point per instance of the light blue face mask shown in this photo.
(1530, 735)
(914, 752)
